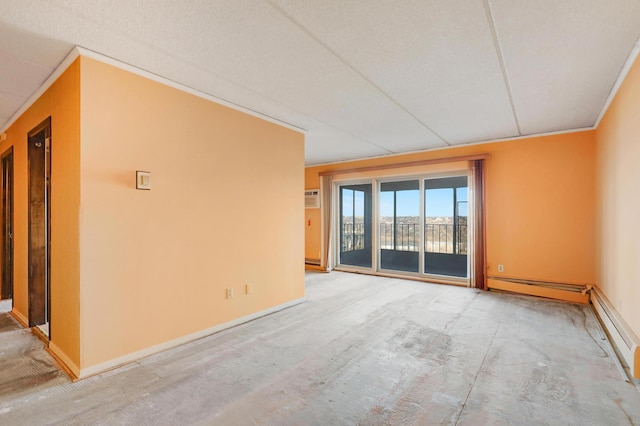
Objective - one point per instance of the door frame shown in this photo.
(39, 294)
(368, 240)
(7, 234)
(447, 257)
(336, 193)
(391, 180)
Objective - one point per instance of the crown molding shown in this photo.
(621, 77)
(78, 51)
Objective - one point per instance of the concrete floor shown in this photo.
(363, 350)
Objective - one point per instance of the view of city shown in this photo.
(440, 234)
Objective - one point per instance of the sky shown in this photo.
(438, 202)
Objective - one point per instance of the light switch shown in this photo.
(143, 180)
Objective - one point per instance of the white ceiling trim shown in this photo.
(81, 51)
(621, 77)
(78, 51)
(485, 142)
(635, 52)
(190, 90)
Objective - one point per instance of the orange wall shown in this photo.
(62, 102)
(312, 233)
(540, 203)
(223, 212)
(618, 142)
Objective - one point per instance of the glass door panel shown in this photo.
(400, 225)
(445, 226)
(462, 220)
(355, 225)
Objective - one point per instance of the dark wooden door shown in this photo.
(39, 195)
(6, 291)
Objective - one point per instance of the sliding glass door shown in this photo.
(419, 227)
(400, 226)
(355, 225)
(446, 226)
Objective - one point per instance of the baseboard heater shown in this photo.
(626, 342)
(314, 262)
(559, 291)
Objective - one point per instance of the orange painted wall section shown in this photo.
(62, 102)
(223, 211)
(312, 233)
(618, 142)
(540, 203)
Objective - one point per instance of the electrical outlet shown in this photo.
(500, 268)
(229, 293)
(247, 289)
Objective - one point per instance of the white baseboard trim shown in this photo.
(135, 356)
(623, 338)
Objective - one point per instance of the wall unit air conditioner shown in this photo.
(312, 199)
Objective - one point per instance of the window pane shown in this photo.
(408, 220)
(462, 194)
(386, 220)
(359, 212)
(386, 205)
(355, 225)
(439, 220)
(358, 226)
(347, 203)
(408, 203)
(400, 225)
(463, 204)
(439, 202)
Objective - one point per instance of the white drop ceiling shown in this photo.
(363, 78)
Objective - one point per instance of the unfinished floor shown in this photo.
(362, 350)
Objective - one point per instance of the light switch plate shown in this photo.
(143, 180)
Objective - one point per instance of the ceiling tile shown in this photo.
(9, 104)
(262, 51)
(363, 78)
(563, 57)
(32, 47)
(436, 59)
(326, 145)
(19, 77)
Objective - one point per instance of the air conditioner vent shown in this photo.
(312, 199)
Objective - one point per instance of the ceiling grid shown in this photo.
(496, 41)
(357, 71)
(364, 79)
